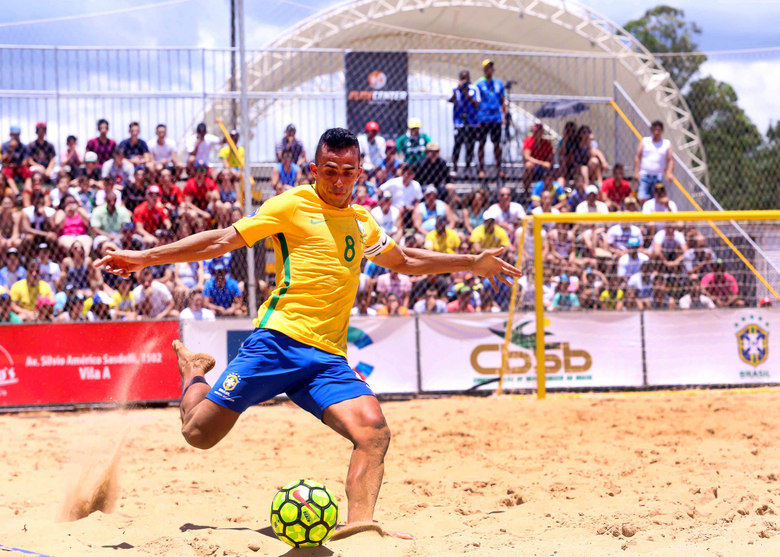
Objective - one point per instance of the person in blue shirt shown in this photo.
(465, 98)
(491, 114)
(223, 295)
(547, 183)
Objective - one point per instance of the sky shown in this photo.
(726, 25)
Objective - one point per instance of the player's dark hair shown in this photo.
(102, 121)
(336, 139)
(657, 123)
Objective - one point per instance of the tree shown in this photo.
(664, 29)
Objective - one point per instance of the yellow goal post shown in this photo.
(703, 223)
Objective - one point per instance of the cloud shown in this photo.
(753, 80)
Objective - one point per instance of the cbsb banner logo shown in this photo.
(753, 341)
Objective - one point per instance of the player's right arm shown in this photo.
(203, 245)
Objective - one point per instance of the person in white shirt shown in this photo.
(630, 263)
(372, 147)
(660, 202)
(695, 298)
(195, 310)
(507, 213)
(362, 306)
(406, 192)
(592, 203)
(388, 216)
(618, 236)
(653, 162)
(199, 146)
(153, 298)
(164, 154)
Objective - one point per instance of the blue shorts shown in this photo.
(647, 184)
(270, 363)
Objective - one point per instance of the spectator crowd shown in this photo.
(60, 213)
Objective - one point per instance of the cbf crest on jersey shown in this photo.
(753, 344)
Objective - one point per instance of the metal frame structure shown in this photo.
(491, 26)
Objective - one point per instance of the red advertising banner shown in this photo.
(78, 363)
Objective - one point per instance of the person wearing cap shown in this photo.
(42, 155)
(198, 147)
(130, 239)
(151, 216)
(433, 170)
(222, 295)
(372, 147)
(200, 190)
(653, 161)
(300, 341)
(442, 238)
(102, 145)
(118, 168)
(660, 203)
(135, 149)
(694, 298)
(631, 261)
(537, 155)
(615, 189)
(99, 305)
(469, 280)
(465, 107)
(765, 302)
(13, 271)
(721, 286)
(163, 152)
(462, 301)
(550, 184)
(91, 169)
(285, 174)
(390, 166)
(26, 292)
(7, 315)
(411, 145)
(10, 225)
(406, 192)
(619, 234)
(44, 310)
(592, 203)
(50, 270)
(195, 310)
(491, 115)
(107, 219)
(15, 157)
(564, 299)
(489, 236)
(388, 216)
(429, 210)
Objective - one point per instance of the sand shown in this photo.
(694, 473)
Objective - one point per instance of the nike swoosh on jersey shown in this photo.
(318, 221)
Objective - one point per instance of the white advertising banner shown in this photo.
(458, 351)
(711, 347)
(383, 350)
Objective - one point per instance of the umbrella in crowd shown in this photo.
(558, 109)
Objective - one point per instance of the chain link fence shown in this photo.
(70, 89)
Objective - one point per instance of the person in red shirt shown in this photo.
(200, 190)
(170, 194)
(615, 189)
(722, 287)
(537, 154)
(101, 145)
(151, 216)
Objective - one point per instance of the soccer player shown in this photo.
(300, 341)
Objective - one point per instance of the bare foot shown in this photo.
(358, 527)
(191, 364)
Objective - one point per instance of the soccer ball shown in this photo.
(304, 513)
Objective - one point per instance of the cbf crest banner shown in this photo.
(377, 90)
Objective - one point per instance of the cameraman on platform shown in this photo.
(465, 98)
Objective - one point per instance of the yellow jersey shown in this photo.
(318, 249)
(444, 244)
(27, 297)
(497, 239)
(233, 161)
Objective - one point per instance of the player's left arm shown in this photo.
(411, 261)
